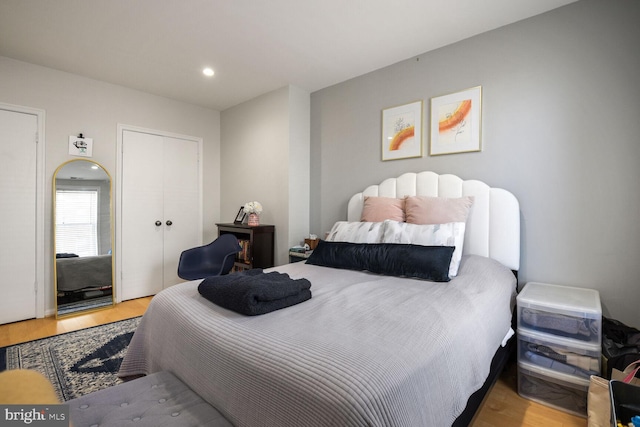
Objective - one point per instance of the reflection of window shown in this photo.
(77, 222)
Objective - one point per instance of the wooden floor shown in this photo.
(502, 408)
(15, 333)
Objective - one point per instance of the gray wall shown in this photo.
(561, 130)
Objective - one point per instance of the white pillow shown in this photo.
(449, 234)
(356, 232)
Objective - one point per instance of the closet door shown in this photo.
(18, 215)
(160, 210)
(142, 208)
(181, 203)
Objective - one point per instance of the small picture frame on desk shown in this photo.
(240, 216)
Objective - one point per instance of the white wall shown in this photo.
(75, 104)
(561, 131)
(265, 147)
(299, 164)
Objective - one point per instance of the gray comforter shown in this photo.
(74, 274)
(365, 350)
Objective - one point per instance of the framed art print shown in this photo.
(80, 146)
(455, 122)
(402, 131)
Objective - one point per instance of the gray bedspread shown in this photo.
(78, 273)
(365, 350)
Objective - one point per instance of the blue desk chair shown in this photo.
(214, 259)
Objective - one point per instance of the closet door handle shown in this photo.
(169, 222)
(158, 223)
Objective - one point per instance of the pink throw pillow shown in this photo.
(378, 209)
(437, 210)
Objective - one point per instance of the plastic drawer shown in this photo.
(560, 391)
(574, 313)
(558, 354)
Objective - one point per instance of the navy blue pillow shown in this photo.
(390, 259)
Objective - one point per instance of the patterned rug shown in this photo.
(76, 363)
(83, 305)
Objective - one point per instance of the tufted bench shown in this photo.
(156, 400)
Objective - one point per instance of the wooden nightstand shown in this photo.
(257, 243)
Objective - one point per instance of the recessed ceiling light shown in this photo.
(207, 72)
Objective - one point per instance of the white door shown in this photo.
(18, 154)
(142, 208)
(181, 203)
(161, 212)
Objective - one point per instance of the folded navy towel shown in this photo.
(253, 292)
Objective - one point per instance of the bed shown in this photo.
(367, 349)
(80, 273)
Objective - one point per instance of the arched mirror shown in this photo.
(83, 238)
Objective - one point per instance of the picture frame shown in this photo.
(240, 216)
(402, 131)
(456, 121)
(80, 147)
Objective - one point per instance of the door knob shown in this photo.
(158, 223)
(169, 222)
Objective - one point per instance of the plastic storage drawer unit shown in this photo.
(574, 313)
(558, 354)
(557, 390)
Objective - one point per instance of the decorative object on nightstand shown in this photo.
(254, 220)
(311, 241)
(240, 216)
(298, 254)
(301, 253)
(559, 344)
(253, 209)
(256, 242)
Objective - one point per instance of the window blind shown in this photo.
(77, 222)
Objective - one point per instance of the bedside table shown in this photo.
(257, 244)
(296, 256)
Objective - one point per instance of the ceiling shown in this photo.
(254, 46)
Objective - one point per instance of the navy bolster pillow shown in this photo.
(390, 259)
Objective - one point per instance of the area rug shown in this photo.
(76, 363)
(88, 304)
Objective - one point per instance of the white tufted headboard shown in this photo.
(493, 226)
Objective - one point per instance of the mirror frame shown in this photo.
(111, 236)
